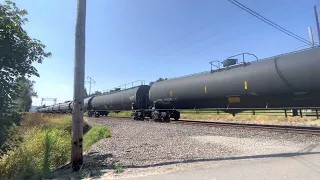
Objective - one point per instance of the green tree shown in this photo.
(26, 92)
(158, 80)
(96, 93)
(18, 53)
(85, 93)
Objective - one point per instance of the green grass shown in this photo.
(120, 114)
(94, 135)
(119, 168)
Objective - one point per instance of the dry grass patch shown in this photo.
(257, 119)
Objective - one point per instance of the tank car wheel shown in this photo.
(135, 116)
(166, 116)
(156, 116)
(141, 116)
(157, 119)
(176, 116)
(96, 114)
(166, 119)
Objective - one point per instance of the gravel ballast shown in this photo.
(142, 144)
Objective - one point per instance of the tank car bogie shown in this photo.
(165, 115)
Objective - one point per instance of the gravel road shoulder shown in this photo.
(147, 147)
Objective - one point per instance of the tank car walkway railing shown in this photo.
(217, 63)
(230, 62)
(123, 87)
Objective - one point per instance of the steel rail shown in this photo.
(278, 128)
(275, 128)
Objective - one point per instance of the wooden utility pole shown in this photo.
(78, 89)
(317, 22)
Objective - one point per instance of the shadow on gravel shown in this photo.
(94, 166)
(225, 159)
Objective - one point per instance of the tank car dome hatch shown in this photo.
(229, 62)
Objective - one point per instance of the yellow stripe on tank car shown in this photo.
(245, 85)
(234, 99)
(205, 89)
(170, 93)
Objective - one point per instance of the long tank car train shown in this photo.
(288, 80)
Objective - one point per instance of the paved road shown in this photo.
(303, 167)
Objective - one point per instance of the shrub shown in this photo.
(7, 120)
(40, 152)
(13, 137)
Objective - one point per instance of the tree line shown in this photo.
(19, 52)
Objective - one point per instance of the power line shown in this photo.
(193, 32)
(265, 19)
(212, 34)
(238, 4)
(214, 45)
(209, 47)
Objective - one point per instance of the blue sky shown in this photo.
(128, 40)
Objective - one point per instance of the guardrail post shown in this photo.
(300, 112)
(253, 112)
(294, 112)
(317, 114)
(285, 113)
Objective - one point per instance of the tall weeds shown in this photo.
(41, 144)
(44, 147)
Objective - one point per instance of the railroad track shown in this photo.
(277, 128)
